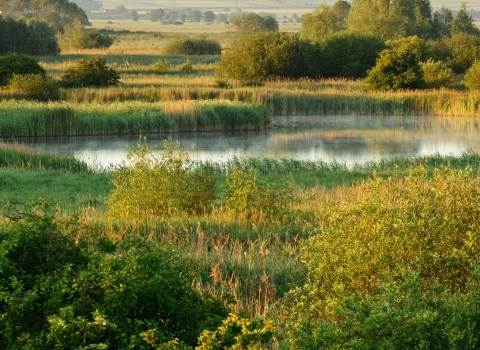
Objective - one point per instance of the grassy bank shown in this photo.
(31, 119)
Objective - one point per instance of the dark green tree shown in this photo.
(441, 23)
(57, 13)
(463, 22)
(459, 51)
(157, 15)
(134, 15)
(13, 63)
(208, 16)
(253, 23)
(349, 55)
(90, 72)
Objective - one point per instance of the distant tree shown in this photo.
(77, 37)
(253, 23)
(222, 17)
(121, 9)
(32, 37)
(341, 8)
(57, 13)
(196, 16)
(463, 22)
(19, 64)
(321, 23)
(134, 15)
(264, 56)
(90, 72)
(349, 55)
(208, 16)
(157, 15)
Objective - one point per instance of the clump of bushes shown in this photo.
(472, 76)
(189, 46)
(90, 72)
(165, 185)
(13, 63)
(77, 37)
(437, 74)
(34, 86)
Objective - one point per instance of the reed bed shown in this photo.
(32, 119)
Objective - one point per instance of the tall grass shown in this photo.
(31, 119)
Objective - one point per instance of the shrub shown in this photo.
(269, 55)
(472, 76)
(13, 63)
(90, 292)
(35, 86)
(163, 65)
(436, 74)
(188, 46)
(90, 72)
(77, 37)
(149, 185)
(186, 67)
(253, 199)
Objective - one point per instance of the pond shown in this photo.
(345, 139)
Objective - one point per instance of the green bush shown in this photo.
(34, 86)
(90, 292)
(188, 46)
(436, 74)
(472, 76)
(90, 72)
(253, 199)
(267, 56)
(77, 37)
(148, 185)
(13, 63)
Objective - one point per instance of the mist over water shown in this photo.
(345, 139)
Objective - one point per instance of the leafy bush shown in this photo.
(59, 292)
(436, 74)
(187, 66)
(13, 63)
(188, 46)
(149, 185)
(34, 86)
(250, 198)
(422, 224)
(396, 69)
(77, 37)
(472, 76)
(269, 55)
(163, 65)
(90, 72)
(459, 51)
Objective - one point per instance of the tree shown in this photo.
(121, 9)
(32, 37)
(459, 51)
(90, 72)
(472, 76)
(57, 13)
(396, 69)
(349, 55)
(264, 56)
(77, 37)
(463, 23)
(321, 23)
(341, 8)
(441, 23)
(19, 64)
(157, 15)
(253, 23)
(134, 15)
(208, 16)
(196, 16)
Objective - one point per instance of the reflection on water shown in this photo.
(346, 139)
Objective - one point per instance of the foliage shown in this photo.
(34, 86)
(165, 185)
(248, 197)
(321, 23)
(412, 44)
(187, 66)
(61, 292)
(11, 64)
(396, 69)
(90, 72)
(472, 76)
(208, 16)
(423, 223)
(237, 333)
(58, 13)
(253, 23)
(437, 74)
(269, 55)
(32, 37)
(349, 55)
(459, 51)
(76, 37)
(189, 46)
(463, 23)
(157, 15)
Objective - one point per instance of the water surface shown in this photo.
(345, 139)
